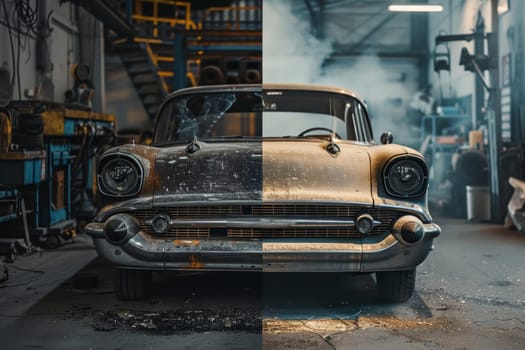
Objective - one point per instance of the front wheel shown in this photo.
(396, 286)
(132, 284)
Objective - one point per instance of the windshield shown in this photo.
(265, 113)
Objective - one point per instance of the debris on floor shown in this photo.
(181, 320)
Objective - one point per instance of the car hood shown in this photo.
(305, 170)
(274, 170)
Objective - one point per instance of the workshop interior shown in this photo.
(84, 84)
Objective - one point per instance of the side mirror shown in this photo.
(386, 138)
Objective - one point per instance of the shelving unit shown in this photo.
(43, 176)
(432, 136)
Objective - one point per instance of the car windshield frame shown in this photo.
(255, 107)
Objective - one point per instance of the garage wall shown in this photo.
(512, 72)
(27, 69)
(66, 44)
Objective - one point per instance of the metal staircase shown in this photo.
(173, 44)
(143, 74)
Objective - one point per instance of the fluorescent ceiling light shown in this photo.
(415, 8)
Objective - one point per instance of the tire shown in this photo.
(396, 286)
(52, 241)
(31, 123)
(27, 141)
(132, 284)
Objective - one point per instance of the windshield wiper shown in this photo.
(229, 137)
(319, 137)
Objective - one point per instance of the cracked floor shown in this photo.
(469, 295)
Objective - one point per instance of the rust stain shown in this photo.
(330, 326)
(195, 263)
(186, 242)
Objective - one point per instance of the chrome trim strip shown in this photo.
(305, 247)
(260, 222)
(317, 247)
(431, 230)
(95, 229)
(147, 203)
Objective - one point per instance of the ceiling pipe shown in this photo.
(103, 12)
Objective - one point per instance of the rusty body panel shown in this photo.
(181, 176)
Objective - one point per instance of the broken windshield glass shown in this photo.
(241, 114)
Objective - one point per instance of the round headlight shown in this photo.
(406, 177)
(120, 176)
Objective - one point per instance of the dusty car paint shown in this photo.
(305, 171)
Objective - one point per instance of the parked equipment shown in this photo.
(47, 182)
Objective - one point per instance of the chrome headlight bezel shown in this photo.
(128, 166)
(404, 169)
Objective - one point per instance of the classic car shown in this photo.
(272, 178)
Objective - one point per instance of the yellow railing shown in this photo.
(150, 11)
(155, 59)
(155, 13)
(155, 17)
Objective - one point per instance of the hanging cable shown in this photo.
(16, 284)
(27, 17)
(19, 88)
(24, 19)
(13, 60)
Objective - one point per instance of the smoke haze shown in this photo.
(291, 54)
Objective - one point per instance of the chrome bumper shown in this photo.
(301, 255)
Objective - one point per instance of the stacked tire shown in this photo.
(28, 134)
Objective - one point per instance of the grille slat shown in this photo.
(385, 216)
(294, 233)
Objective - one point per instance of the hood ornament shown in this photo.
(332, 147)
(193, 146)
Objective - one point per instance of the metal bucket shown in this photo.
(478, 203)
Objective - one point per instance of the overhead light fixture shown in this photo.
(415, 8)
(503, 6)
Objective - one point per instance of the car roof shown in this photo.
(256, 87)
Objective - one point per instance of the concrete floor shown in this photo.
(470, 295)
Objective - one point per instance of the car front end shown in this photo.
(327, 202)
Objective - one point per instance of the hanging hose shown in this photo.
(82, 145)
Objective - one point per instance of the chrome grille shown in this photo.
(294, 233)
(304, 210)
(185, 233)
(385, 216)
